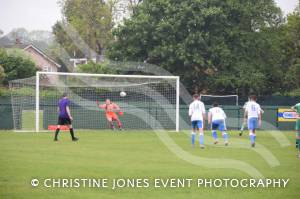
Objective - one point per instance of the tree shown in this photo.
(132, 4)
(91, 19)
(290, 48)
(16, 67)
(92, 67)
(215, 46)
(62, 38)
(60, 55)
(2, 74)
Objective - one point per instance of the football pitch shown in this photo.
(135, 154)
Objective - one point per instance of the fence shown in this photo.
(235, 117)
(6, 118)
(234, 114)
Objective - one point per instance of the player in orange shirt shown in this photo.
(110, 113)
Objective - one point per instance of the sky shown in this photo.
(42, 14)
(30, 14)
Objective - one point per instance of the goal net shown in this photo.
(229, 103)
(224, 100)
(151, 102)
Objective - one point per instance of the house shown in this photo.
(43, 63)
(41, 60)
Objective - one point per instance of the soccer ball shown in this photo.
(122, 94)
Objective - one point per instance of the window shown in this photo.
(47, 69)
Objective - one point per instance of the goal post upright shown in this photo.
(177, 102)
(37, 102)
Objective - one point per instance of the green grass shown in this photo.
(132, 154)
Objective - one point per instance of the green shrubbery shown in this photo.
(15, 66)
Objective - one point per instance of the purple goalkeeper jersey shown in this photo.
(62, 104)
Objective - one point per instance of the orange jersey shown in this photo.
(110, 108)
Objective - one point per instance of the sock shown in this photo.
(201, 139)
(214, 134)
(112, 125)
(56, 133)
(72, 133)
(298, 140)
(252, 138)
(193, 138)
(242, 127)
(225, 136)
(119, 125)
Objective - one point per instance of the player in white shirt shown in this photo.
(252, 115)
(244, 123)
(217, 117)
(197, 114)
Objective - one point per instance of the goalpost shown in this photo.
(230, 104)
(151, 102)
(231, 100)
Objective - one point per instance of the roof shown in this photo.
(41, 53)
(19, 46)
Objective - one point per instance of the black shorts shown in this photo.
(64, 121)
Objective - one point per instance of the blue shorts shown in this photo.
(252, 123)
(218, 124)
(197, 124)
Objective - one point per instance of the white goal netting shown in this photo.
(224, 100)
(151, 102)
(229, 103)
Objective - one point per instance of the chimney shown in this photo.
(18, 41)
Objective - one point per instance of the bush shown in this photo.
(294, 93)
(16, 67)
(97, 68)
(4, 92)
(2, 74)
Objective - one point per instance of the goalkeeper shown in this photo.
(110, 109)
(297, 109)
